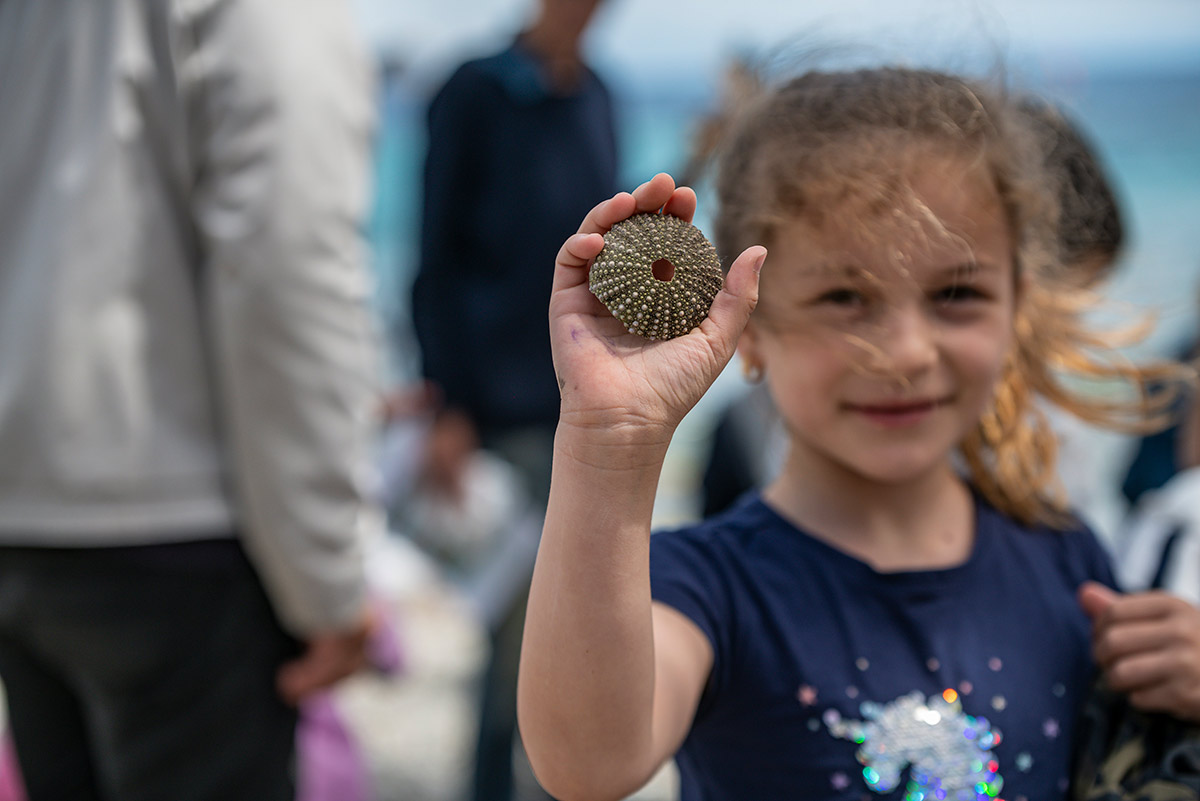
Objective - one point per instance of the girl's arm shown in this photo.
(609, 682)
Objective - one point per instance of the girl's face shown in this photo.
(882, 339)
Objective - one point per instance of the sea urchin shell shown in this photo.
(622, 275)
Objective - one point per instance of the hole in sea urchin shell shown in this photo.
(663, 270)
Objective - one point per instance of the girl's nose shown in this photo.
(907, 344)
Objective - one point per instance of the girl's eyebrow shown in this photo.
(836, 270)
(843, 271)
(967, 269)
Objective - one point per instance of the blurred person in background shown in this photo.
(1159, 546)
(1091, 230)
(1091, 241)
(1158, 458)
(520, 145)
(1156, 539)
(186, 386)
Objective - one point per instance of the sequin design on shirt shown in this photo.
(949, 753)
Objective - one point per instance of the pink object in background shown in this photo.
(330, 762)
(331, 765)
(11, 788)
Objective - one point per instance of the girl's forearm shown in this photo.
(587, 664)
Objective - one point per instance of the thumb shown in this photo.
(733, 304)
(1095, 598)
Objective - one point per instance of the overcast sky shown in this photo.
(649, 38)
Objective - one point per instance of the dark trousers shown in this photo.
(494, 777)
(144, 674)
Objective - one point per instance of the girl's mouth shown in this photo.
(894, 415)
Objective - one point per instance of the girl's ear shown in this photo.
(1020, 287)
(749, 351)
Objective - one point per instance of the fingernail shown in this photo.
(758, 263)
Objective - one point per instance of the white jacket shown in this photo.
(1162, 535)
(185, 347)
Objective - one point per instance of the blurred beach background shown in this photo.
(1129, 73)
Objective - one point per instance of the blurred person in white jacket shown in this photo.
(186, 388)
(1159, 547)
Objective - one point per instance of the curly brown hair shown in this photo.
(827, 142)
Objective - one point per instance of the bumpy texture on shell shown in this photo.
(622, 275)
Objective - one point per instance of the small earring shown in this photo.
(752, 372)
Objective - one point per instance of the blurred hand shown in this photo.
(327, 659)
(449, 449)
(611, 379)
(1148, 645)
(402, 403)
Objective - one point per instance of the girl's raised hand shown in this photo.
(611, 380)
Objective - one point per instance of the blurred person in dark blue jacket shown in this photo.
(521, 145)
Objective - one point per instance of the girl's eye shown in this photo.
(957, 293)
(842, 297)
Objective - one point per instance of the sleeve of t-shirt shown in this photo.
(687, 574)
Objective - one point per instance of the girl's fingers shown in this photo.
(1140, 671)
(579, 249)
(658, 193)
(1095, 599)
(1124, 608)
(682, 203)
(576, 252)
(732, 307)
(607, 214)
(1159, 698)
(1122, 640)
(654, 194)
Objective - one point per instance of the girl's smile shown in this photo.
(898, 414)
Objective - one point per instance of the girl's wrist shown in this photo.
(618, 446)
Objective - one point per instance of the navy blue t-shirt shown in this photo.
(831, 680)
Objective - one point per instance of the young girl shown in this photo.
(897, 613)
